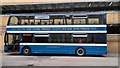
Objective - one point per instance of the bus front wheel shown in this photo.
(26, 51)
(80, 52)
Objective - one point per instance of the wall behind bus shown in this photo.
(113, 41)
(113, 17)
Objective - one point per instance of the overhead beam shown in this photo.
(57, 7)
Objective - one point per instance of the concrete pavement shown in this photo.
(60, 60)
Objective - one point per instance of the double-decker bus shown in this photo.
(68, 33)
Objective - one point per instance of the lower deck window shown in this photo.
(41, 39)
(60, 38)
(64, 38)
(80, 40)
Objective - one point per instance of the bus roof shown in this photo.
(54, 14)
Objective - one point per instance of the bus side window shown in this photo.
(25, 23)
(39, 23)
(14, 20)
(51, 22)
(45, 23)
(90, 38)
(68, 21)
(79, 21)
(80, 40)
(27, 38)
(93, 21)
(32, 23)
(59, 23)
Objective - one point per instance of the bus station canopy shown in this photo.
(60, 7)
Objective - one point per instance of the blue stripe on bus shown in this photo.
(58, 29)
(60, 49)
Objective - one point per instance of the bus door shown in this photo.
(12, 42)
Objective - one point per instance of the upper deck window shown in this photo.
(25, 22)
(94, 19)
(44, 22)
(28, 20)
(57, 20)
(78, 21)
(14, 20)
(68, 20)
(60, 19)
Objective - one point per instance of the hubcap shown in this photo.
(26, 51)
(80, 51)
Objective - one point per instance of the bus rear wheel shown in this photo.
(80, 52)
(26, 51)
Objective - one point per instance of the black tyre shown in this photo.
(26, 51)
(80, 52)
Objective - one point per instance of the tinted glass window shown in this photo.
(79, 40)
(90, 38)
(27, 38)
(100, 38)
(58, 38)
(41, 38)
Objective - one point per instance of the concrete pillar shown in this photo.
(1, 42)
(3, 23)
